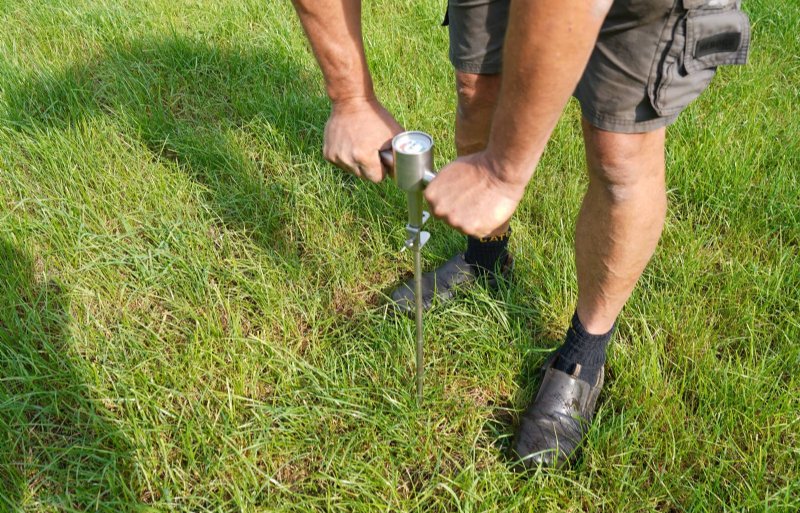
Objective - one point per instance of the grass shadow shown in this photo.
(191, 103)
(59, 447)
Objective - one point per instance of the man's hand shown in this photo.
(468, 195)
(355, 132)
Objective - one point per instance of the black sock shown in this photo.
(486, 253)
(585, 349)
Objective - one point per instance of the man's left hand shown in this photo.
(469, 195)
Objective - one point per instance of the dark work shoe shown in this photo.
(552, 427)
(443, 282)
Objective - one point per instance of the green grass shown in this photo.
(192, 302)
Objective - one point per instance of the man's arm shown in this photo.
(333, 28)
(359, 126)
(547, 46)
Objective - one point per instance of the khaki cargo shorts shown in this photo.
(651, 59)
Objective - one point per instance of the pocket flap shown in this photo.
(715, 39)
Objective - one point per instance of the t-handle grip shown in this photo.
(427, 177)
(387, 159)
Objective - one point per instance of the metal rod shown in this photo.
(411, 165)
(418, 301)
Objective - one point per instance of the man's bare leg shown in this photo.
(620, 221)
(617, 231)
(477, 97)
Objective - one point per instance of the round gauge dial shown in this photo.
(412, 143)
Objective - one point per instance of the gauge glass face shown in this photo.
(412, 143)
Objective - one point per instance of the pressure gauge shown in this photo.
(412, 143)
(413, 160)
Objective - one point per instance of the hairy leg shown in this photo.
(477, 97)
(620, 221)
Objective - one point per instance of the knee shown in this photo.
(622, 177)
(615, 169)
(626, 166)
(476, 93)
(477, 96)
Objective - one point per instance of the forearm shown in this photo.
(333, 28)
(547, 46)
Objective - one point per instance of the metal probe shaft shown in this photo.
(418, 301)
(418, 243)
(411, 165)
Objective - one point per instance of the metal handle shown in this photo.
(387, 159)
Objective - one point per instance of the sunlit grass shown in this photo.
(192, 302)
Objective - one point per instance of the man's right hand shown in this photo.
(356, 131)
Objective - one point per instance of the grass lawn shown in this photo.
(193, 303)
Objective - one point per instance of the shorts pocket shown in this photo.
(702, 40)
(716, 39)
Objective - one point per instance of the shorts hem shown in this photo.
(478, 68)
(612, 123)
